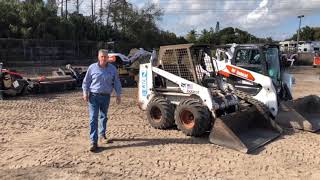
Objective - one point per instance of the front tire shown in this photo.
(192, 118)
(160, 113)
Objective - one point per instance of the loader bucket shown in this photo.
(244, 131)
(302, 114)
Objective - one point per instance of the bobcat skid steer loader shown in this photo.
(183, 89)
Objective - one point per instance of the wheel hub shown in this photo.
(156, 114)
(187, 119)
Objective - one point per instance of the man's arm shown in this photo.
(117, 86)
(86, 84)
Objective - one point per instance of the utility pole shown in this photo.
(92, 10)
(124, 3)
(108, 13)
(78, 6)
(298, 36)
(100, 10)
(61, 7)
(66, 9)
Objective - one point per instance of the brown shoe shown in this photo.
(104, 139)
(109, 141)
(94, 147)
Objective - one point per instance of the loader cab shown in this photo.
(262, 59)
(251, 58)
(202, 62)
(191, 62)
(272, 55)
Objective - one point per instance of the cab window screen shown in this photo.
(249, 59)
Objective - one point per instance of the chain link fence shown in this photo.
(32, 52)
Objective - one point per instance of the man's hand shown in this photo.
(118, 100)
(86, 97)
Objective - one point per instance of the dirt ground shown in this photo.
(46, 137)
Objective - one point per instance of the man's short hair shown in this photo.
(103, 51)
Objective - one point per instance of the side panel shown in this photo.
(188, 87)
(145, 84)
(268, 93)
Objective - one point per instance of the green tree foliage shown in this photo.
(317, 33)
(32, 19)
(9, 18)
(225, 36)
(308, 34)
(192, 36)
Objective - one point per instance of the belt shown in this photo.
(99, 94)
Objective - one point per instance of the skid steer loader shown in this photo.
(185, 90)
(259, 62)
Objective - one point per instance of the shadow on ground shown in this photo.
(144, 142)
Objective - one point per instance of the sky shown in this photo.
(263, 18)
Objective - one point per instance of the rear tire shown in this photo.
(192, 118)
(160, 113)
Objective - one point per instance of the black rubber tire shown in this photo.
(24, 91)
(286, 94)
(201, 119)
(160, 113)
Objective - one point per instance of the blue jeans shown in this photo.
(98, 104)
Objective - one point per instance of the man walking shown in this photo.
(100, 80)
